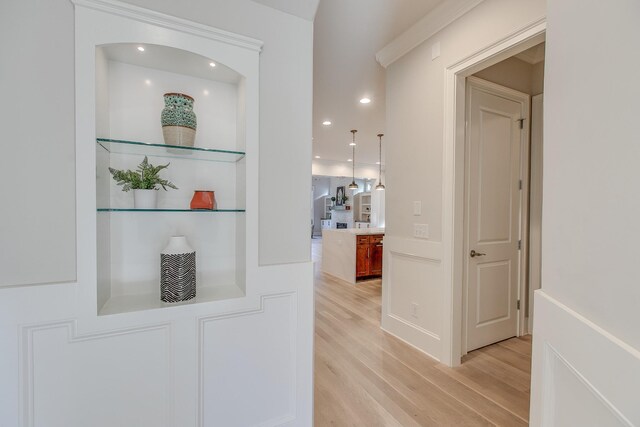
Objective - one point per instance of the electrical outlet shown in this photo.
(414, 309)
(417, 208)
(421, 231)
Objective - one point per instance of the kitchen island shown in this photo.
(352, 254)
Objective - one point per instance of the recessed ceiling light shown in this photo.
(206, 92)
(326, 123)
(148, 82)
(365, 101)
(352, 143)
(377, 163)
(349, 160)
(317, 157)
(141, 49)
(212, 64)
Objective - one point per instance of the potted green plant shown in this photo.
(144, 182)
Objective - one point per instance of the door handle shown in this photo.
(474, 254)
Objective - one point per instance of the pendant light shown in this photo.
(380, 185)
(353, 185)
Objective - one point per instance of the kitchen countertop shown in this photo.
(356, 231)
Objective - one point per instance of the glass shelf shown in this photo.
(163, 150)
(169, 210)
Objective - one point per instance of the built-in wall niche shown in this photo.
(131, 80)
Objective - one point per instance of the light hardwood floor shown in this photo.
(366, 377)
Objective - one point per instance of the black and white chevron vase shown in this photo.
(177, 277)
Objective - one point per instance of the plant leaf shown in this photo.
(145, 177)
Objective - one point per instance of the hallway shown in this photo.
(365, 377)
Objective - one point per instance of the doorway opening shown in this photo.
(497, 209)
(455, 185)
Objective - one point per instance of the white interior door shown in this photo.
(492, 210)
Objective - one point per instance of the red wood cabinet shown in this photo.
(362, 260)
(376, 255)
(369, 256)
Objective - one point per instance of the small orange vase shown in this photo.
(203, 199)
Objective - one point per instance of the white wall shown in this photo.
(591, 170)
(285, 82)
(135, 100)
(537, 86)
(338, 181)
(515, 74)
(195, 364)
(46, 34)
(38, 226)
(320, 189)
(415, 106)
(327, 186)
(335, 168)
(586, 318)
(377, 205)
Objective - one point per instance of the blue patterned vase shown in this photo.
(178, 120)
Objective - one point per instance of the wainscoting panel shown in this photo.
(581, 374)
(248, 365)
(71, 380)
(412, 293)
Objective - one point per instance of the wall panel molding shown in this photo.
(580, 370)
(260, 310)
(413, 272)
(29, 370)
(555, 363)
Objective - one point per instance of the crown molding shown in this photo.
(443, 15)
(305, 9)
(148, 16)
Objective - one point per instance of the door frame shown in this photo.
(453, 175)
(536, 151)
(523, 204)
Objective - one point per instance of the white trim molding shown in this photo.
(305, 9)
(453, 174)
(420, 269)
(202, 339)
(444, 14)
(29, 351)
(148, 16)
(580, 371)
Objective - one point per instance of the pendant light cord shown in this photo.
(353, 163)
(353, 185)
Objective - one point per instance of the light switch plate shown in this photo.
(421, 231)
(417, 208)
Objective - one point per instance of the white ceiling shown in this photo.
(302, 8)
(347, 35)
